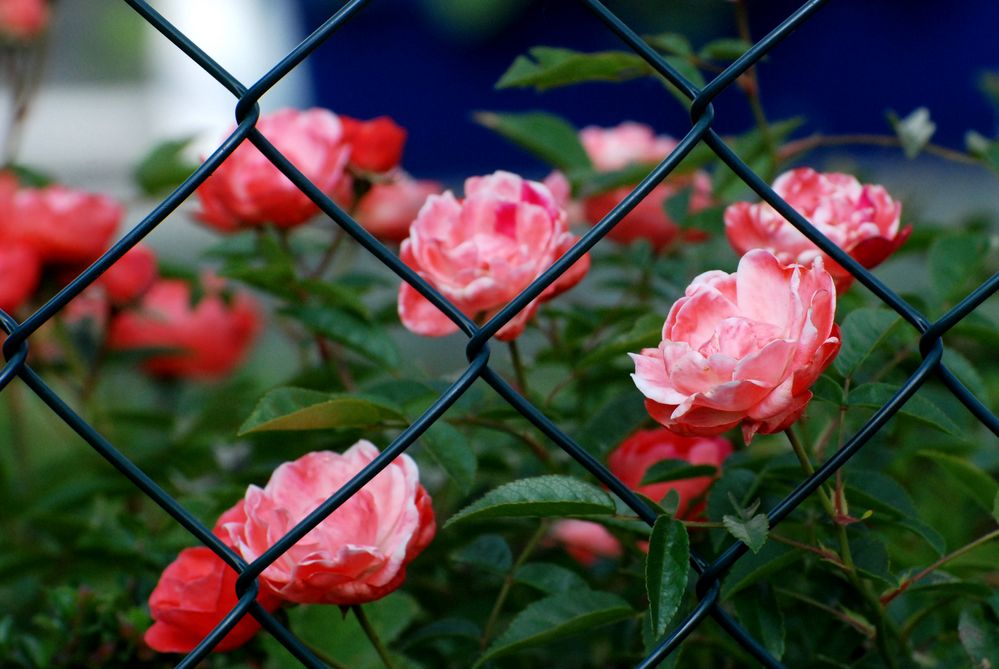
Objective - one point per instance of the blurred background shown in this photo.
(431, 64)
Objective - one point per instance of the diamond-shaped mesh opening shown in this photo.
(708, 588)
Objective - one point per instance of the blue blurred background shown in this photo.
(431, 63)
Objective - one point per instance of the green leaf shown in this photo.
(754, 567)
(490, 552)
(967, 373)
(164, 167)
(870, 555)
(672, 43)
(453, 452)
(760, 614)
(461, 628)
(752, 148)
(550, 138)
(549, 578)
(557, 617)
(538, 497)
(914, 131)
(889, 500)
(676, 470)
(752, 532)
(301, 409)
(645, 333)
(549, 67)
(725, 48)
(734, 482)
(368, 339)
(666, 571)
(876, 395)
(980, 637)
(611, 423)
(30, 177)
(863, 331)
(978, 485)
(983, 148)
(995, 507)
(955, 262)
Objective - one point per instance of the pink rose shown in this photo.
(375, 145)
(61, 224)
(741, 348)
(482, 251)
(388, 209)
(128, 278)
(210, 337)
(192, 596)
(23, 19)
(360, 552)
(247, 190)
(585, 541)
(632, 459)
(20, 270)
(629, 144)
(861, 219)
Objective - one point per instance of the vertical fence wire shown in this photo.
(710, 574)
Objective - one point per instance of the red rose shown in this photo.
(375, 145)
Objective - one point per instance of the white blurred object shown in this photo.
(246, 37)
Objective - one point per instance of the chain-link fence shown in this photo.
(702, 114)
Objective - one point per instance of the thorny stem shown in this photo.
(797, 147)
(372, 635)
(889, 596)
(529, 547)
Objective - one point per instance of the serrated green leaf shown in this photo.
(761, 616)
(676, 470)
(876, 395)
(550, 138)
(666, 571)
(164, 167)
(550, 578)
(453, 452)
(488, 551)
(368, 339)
(549, 67)
(754, 567)
(979, 637)
(752, 532)
(967, 373)
(302, 409)
(538, 497)
(646, 332)
(947, 254)
(725, 48)
(611, 423)
(862, 332)
(870, 555)
(885, 496)
(740, 483)
(978, 485)
(914, 131)
(557, 617)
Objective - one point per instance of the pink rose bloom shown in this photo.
(585, 541)
(741, 348)
(210, 338)
(20, 270)
(194, 593)
(23, 19)
(62, 225)
(629, 144)
(861, 219)
(632, 459)
(388, 209)
(359, 553)
(247, 190)
(130, 277)
(482, 251)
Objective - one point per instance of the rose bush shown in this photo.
(741, 348)
(480, 252)
(359, 553)
(862, 219)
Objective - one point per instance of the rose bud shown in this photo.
(128, 278)
(23, 19)
(861, 219)
(357, 554)
(247, 190)
(741, 348)
(375, 145)
(388, 209)
(586, 542)
(482, 251)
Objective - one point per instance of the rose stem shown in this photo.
(752, 90)
(376, 642)
(886, 598)
(529, 547)
(805, 144)
(318, 652)
(863, 588)
(518, 367)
